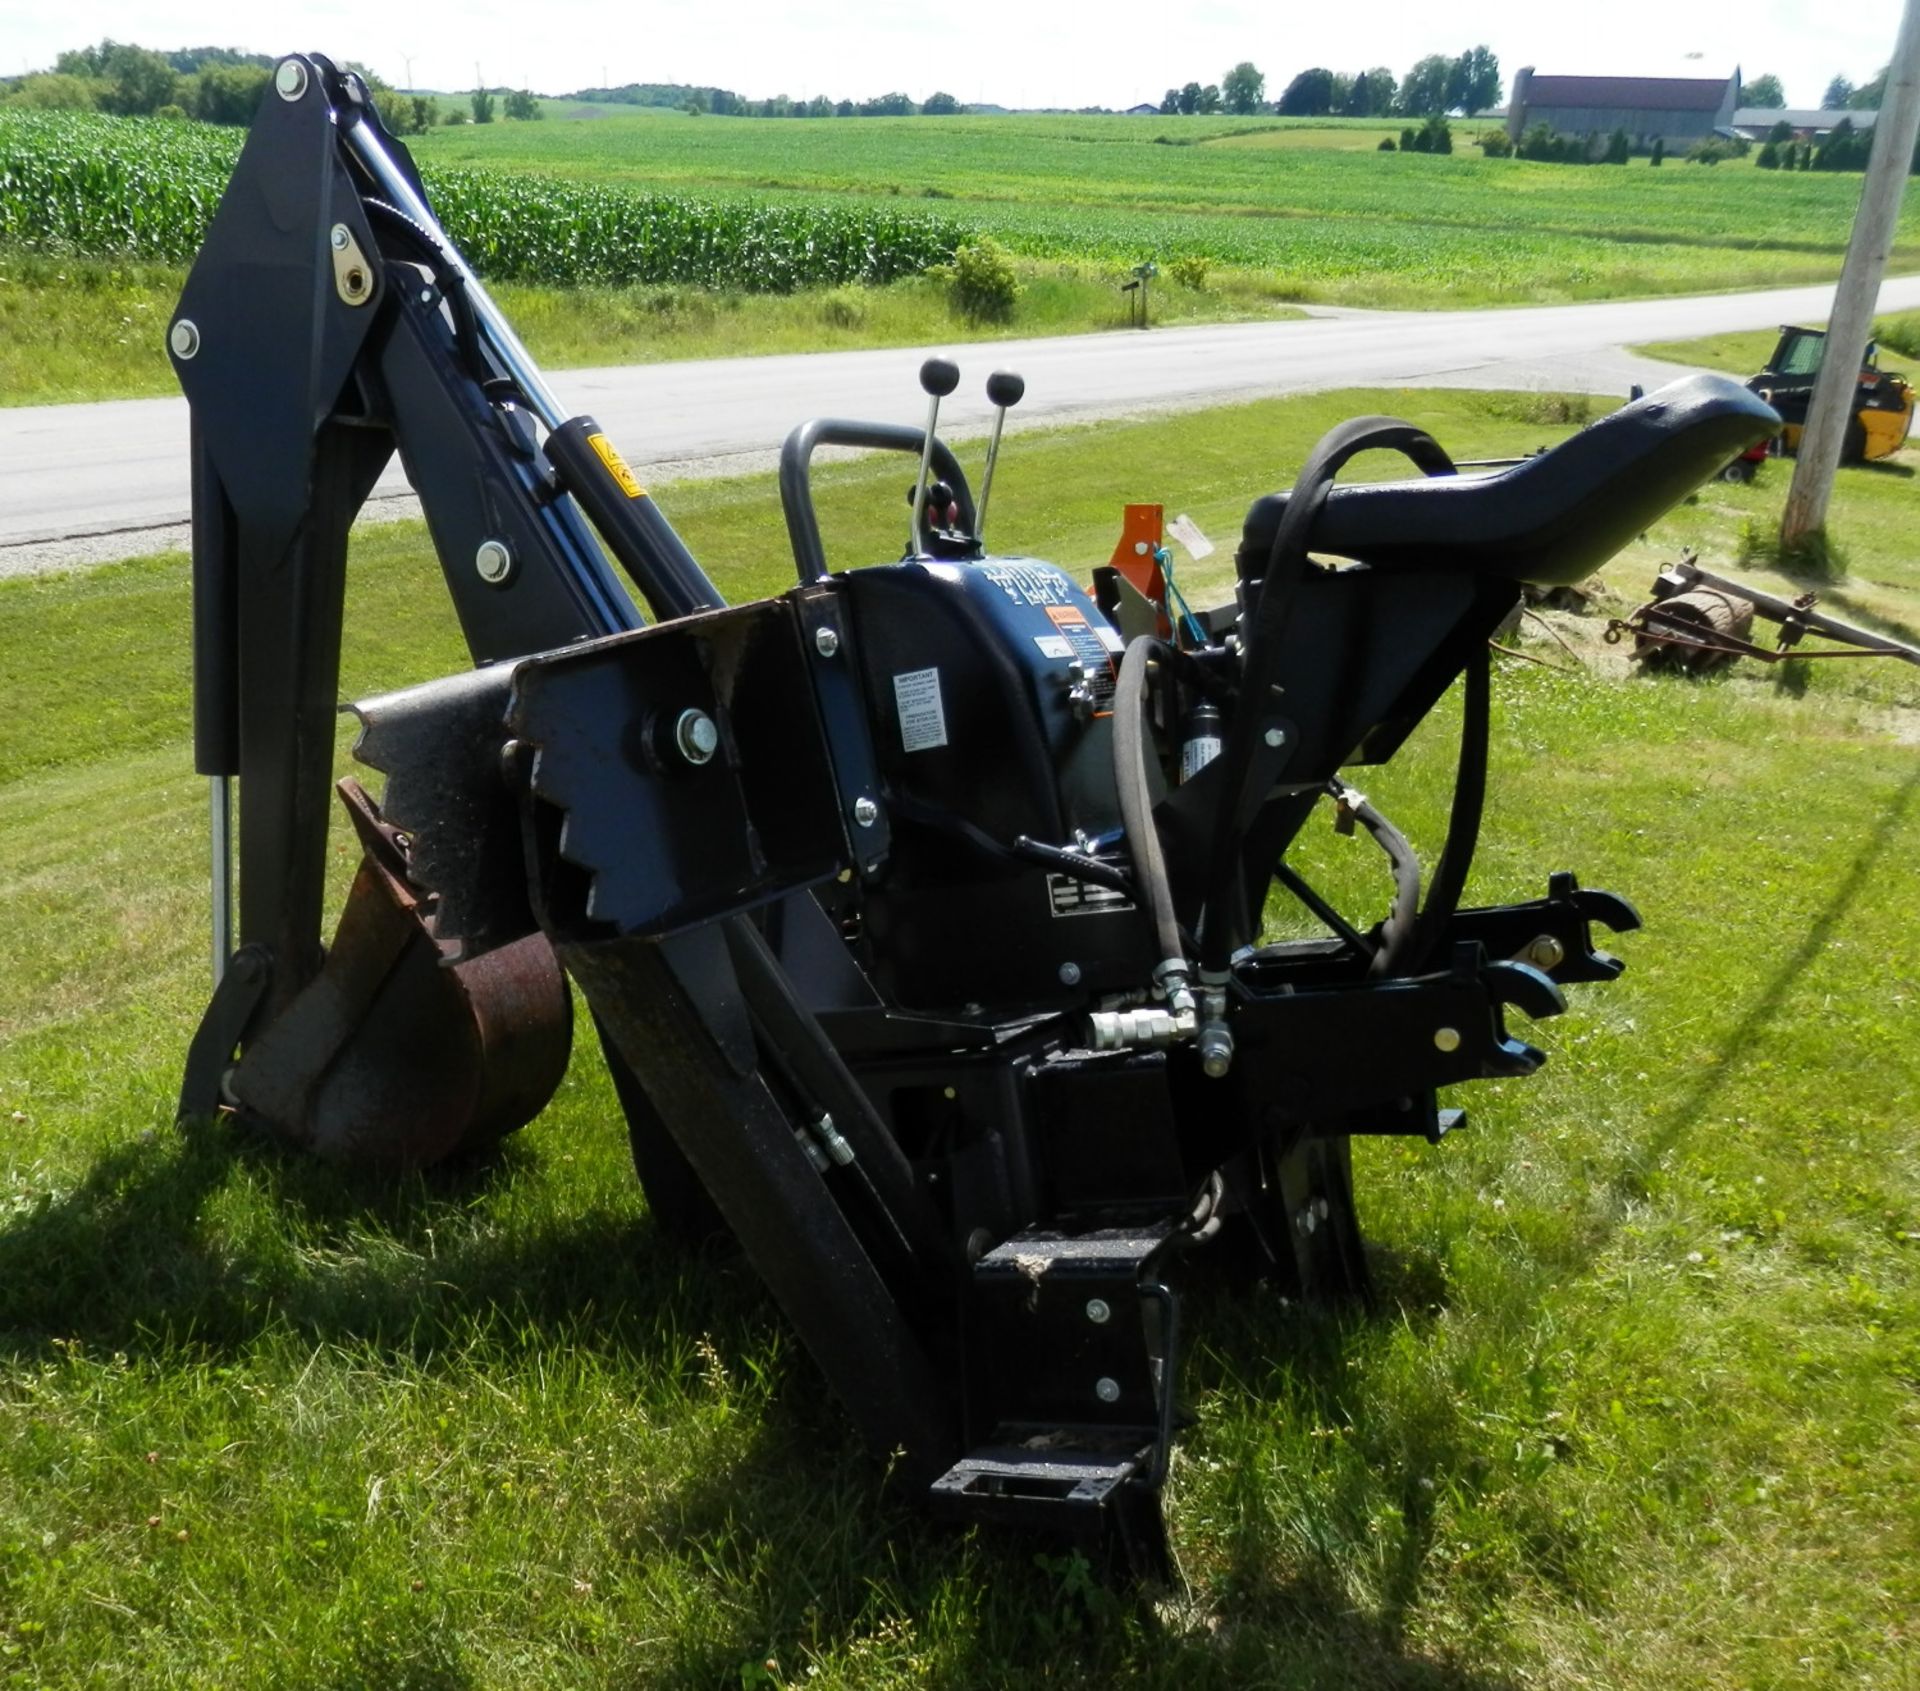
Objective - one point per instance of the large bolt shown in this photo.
(826, 641)
(1446, 1039)
(1546, 952)
(696, 737)
(1276, 737)
(1107, 1389)
(184, 338)
(290, 80)
(865, 812)
(1098, 1311)
(1069, 974)
(493, 563)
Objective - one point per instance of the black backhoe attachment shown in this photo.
(920, 909)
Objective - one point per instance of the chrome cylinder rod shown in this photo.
(221, 837)
(498, 332)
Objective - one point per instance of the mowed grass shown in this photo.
(1641, 1406)
(1338, 223)
(80, 329)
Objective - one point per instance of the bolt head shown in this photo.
(492, 562)
(1069, 974)
(1546, 952)
(826, 641)
(1446, 1039)
(696, 736)
(865, 812)
(340, 235)
(290, 80)
(1098, 1311)
(1107, 1389)
(1276, 737)
(1216, 1065)
(1305, 1220)
(184, 338)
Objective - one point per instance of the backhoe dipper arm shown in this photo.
(327, 322)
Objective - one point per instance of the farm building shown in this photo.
(1674, 109)
(1756, 123)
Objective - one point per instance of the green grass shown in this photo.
(1640, 1409)
(1337, 223)
(1746, 352)
(92, 328)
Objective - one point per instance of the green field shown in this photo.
(1337, 223)
(1641, 1408)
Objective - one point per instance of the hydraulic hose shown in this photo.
(1397, 932)
(1463, 824)
(1131, 777)
(1229, 921)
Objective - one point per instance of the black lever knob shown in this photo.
(939, 377)
(1004, 388)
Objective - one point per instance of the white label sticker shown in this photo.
(1185, 530)
(1054, 645)
(923, 721)
(1110, 637)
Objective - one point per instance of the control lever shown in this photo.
(1004, 391)
(939, 377)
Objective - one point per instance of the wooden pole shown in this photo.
(1851, 326)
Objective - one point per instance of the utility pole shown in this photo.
(1832, 404)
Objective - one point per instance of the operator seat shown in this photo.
(1553, 519)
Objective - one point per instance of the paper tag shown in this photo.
(1185, 530)
(923, 720)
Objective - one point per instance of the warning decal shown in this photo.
(617, 467)
(923, 720)
(1096, 663)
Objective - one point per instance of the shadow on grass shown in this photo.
(832, 1556)
(207, 1238)
(1747, 1037)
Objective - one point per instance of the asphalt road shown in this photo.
(81, 483)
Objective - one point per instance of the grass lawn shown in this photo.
(1641, 1406)
(79, 328)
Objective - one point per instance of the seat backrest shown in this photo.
(1553, 519)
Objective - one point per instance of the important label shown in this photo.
(617, 467)
(1070, 897)
(923, 719)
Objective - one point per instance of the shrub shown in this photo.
(1539, 143)
(1659, 150)
(1408, 142)
(843, 308)
(1768, 158)
(985, 286)
(1190, 271)
(1386, 145)
(1436, 135)
(1619, 147)
(1710, 151)
(1495, 144)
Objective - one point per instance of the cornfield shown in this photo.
(147, 188)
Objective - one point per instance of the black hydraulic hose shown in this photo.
(1228, 919)
(1130, 776)
(1463, 824)
(1397, 932)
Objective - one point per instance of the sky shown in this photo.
(1008, 52)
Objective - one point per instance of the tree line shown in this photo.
(1435, 84)
(224, 85)
(724, 102)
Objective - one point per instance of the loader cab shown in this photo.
(1883, 406)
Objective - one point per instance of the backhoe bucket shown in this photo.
(389, 1057)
